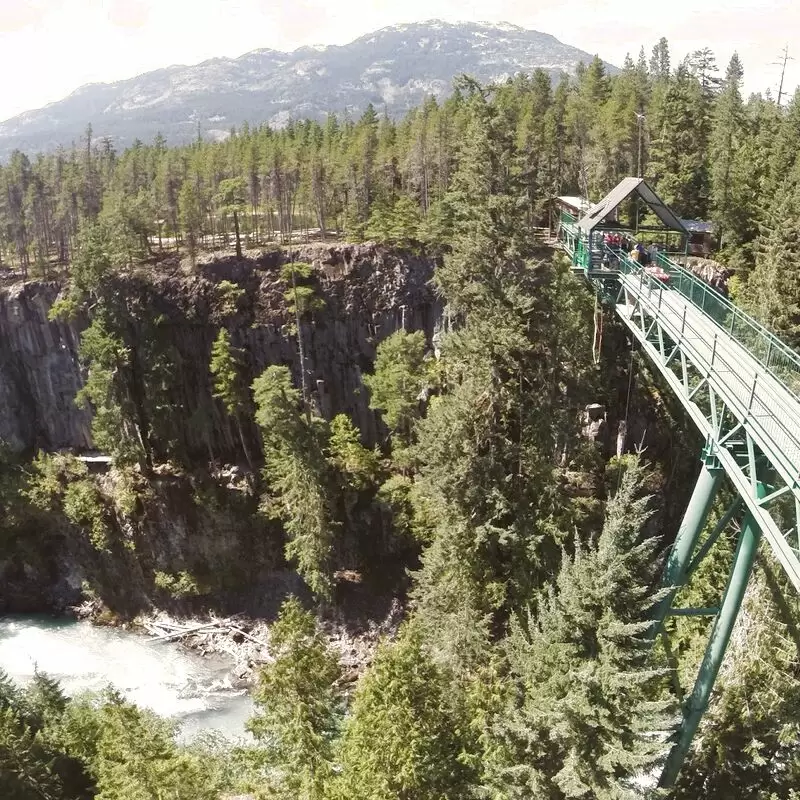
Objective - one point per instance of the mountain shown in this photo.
(394, 68)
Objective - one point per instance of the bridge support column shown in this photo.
(715, 650)
(694, 520)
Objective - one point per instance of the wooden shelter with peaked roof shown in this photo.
(586, 234)
(598, 216)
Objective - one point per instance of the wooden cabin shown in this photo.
(701, 237)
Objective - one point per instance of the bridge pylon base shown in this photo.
(724, 621)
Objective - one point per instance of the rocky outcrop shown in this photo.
(39, 373)
(712, 272)
(368, 291)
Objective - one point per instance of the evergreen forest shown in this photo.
(527, 558)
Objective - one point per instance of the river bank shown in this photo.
(244, 640)
(173, 681)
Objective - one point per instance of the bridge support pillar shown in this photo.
(715, 650)
(694, 520)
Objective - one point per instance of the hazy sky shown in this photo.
(50, 47)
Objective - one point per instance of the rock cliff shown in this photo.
(39, 373)
(369, 292)
(192, 518)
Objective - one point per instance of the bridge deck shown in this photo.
(754, 395)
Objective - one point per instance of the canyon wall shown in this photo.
(368, 291)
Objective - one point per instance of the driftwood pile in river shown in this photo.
(165, 630)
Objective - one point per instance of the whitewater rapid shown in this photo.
(163, 677)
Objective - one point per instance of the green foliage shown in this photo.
(297, 708)
(179, 586)
(587, 697)
(398, 225)
(301, 298)
(478, 474)
(62, 482)
(773, 290)
(24, 774)
(407, 732)
(33, 762)
(297, 478)
(225, 367)
(132, 755)
(115, 427)
(358, 465)
(513, 372)
(747, 745)
(84, 506)
(398, 380)
(65, 308)
(51, 474)
(228, 296)
(192, 215)
(396, 494)
(16, 513)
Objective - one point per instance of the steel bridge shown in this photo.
(740, 385)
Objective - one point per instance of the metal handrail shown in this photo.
(771, 353)
(774, 355)
(631, 267)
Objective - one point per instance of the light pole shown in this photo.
(641, 117)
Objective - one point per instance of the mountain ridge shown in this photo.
(394, 68)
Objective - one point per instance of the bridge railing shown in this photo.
(771, 353)
(773, 406)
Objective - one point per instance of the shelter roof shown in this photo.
(574, 201)
(698, 226)
(627, 187)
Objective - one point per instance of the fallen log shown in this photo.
(177, 634)
(248, 636)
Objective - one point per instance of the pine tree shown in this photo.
(134, 755)
(660, 60)
(24, 773)
(355, 463)
(297, 712)
(297, 478)
(404, 222)
(118, 424)
(676, 156)
(301, 299)
(231, 198)
(773, 290)
(397, 382)
(192, 215)
(406, 734)
(226, 370)
(729, 201)
(586, 705)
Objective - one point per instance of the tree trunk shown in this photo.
(242, 439)
(301, 350)
(238, 237)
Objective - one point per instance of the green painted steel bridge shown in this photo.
(740, 384)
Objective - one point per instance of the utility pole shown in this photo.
(641, 117)
(782, 65)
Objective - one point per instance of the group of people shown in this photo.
(616, 241)
(636, 250)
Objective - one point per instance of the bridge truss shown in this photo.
(739, 384)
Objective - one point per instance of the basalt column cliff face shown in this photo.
(368, 292)
(39, 374)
